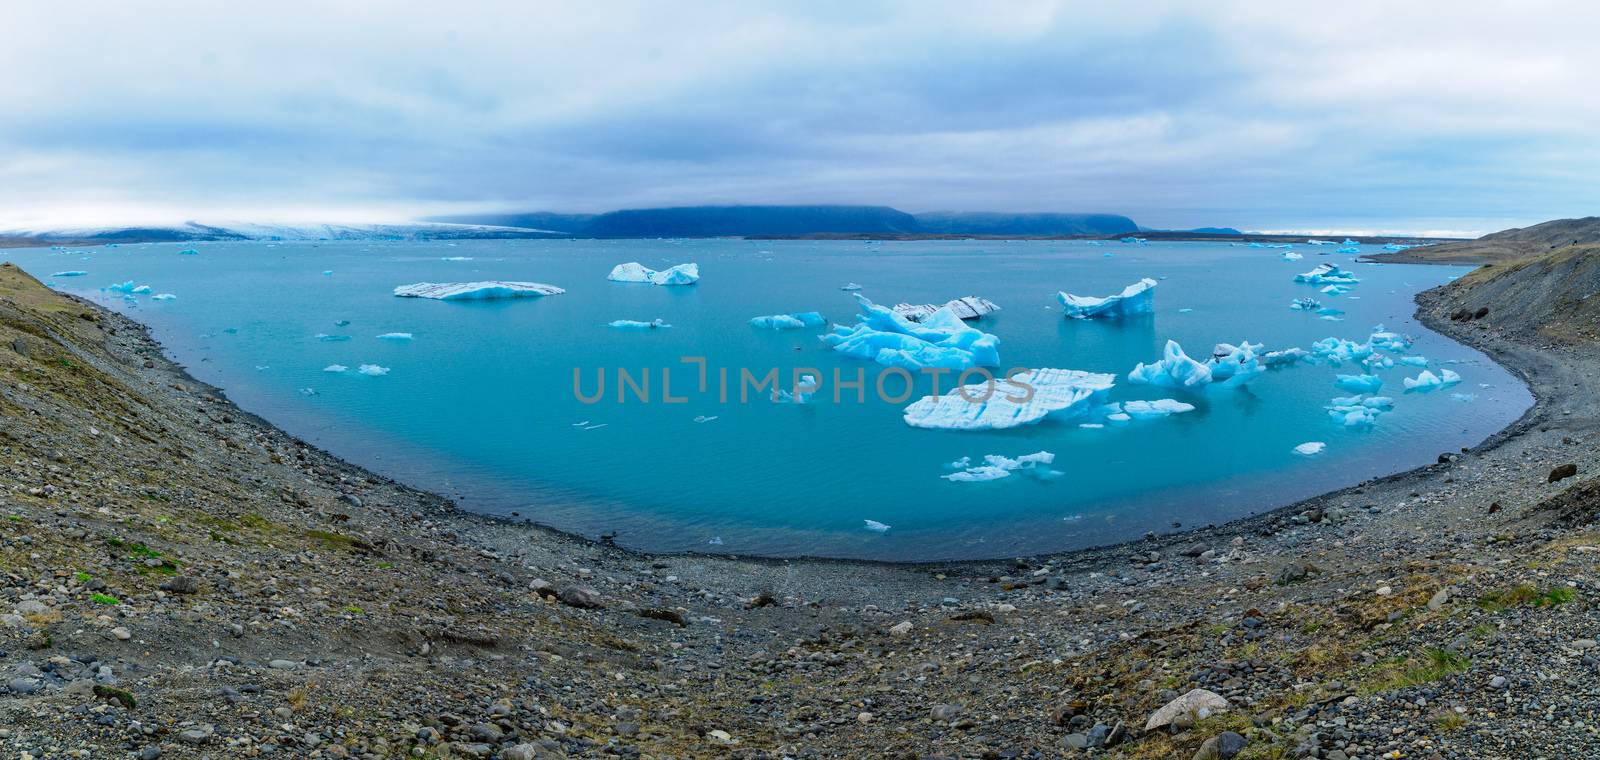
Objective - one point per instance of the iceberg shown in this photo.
(1355, 411)
(1350, 249)
(876, 527)
(1284, 358)
(1426, 381)
(1359, 383)
(633, 271)
(1321, 242)
(121, 287)
(789, 321)
(1149, 410)
(326, 338)
(188, 252)
(1057, 393)
(1292, 256)
(1336, 290)
(1310, 448)
(398, 337)
(1233, 366)
(335, 368)
(1397, 247)
(850, 286)
(968, 307)
(1174, 370)
(629, 324)
(1134, 240)
(474, 291)
(163, 297)
(1305, 304)
(940, 340)
(1337, 351)
(1348, 241)
(1388, 341)
(373, 370)
(70, 273)
(1138, 298)
(996, 467)
(1414, 361)
(801, 394)
(1327, 274)
(1449, 377)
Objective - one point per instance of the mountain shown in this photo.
(1548, 295)
(543, 220)
(195, 231)
(1506, 245)
(1023, 225)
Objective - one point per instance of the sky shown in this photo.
(1452, 117)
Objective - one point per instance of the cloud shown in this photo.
(1366, 115)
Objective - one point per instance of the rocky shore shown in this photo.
(179, 579)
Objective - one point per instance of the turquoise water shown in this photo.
(480, 405)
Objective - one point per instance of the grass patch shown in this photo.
(354, 610)
(113, 694)
(1525, 594)
(1435, 664)
(1449, 720)
(83, 577)
(106, 599)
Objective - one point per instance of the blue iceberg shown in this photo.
(1025, 399)
(1359, 383)
(1327, 274)
(633, 271)
(635, 325)
(475, 291)
(940, 340)
(789, 321)
(1138, 298)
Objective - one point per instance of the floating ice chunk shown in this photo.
(1134, 240)
(966, 307)
(1327, 274)
(308, 391)
(1329, 311)
(163, 297)
(1321, 242)
(1138, 298)
(188, 252)
(995, 467)
(1388, 341)
(875, 526)
(335, 368)
(1355, 411)
(704, 419)
(1337, 351)
(342, 323)
(455, 258)
(1378, 361)
(960, 464)
(397, 337)
(1149, 410)
(940, 340)
(1284, 358)
(1350, 249)
(1024, 399)
(121, 287)
(70, 273)
(1336, 290)
(1397, 247)
(1359, 383)
(1233, 366)
(715, 541)
(1348, 241)
(326, 338)
(1292, 256)
(802, 393)
(1463, 397)
(1414, 361)
(634, 325)
(373, 370)
(789, 321)
(850, 286)
(1174, 370)
(1305, 304)
(1310, 448)
(327, 273)
(1448, 376)
(473, 291)
(633, 271)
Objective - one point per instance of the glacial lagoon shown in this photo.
(486, 401)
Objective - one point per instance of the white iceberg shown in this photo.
(850, 286)
(1230, 366)
(1359, 383)
(1327, 274)
(1059, 393)
(1427, 381)
(1337, 351)
(1305, 304)
(1233, 366)
(373, 370)
(876, 527)
(326, 338)
(1149, 410)
(801, 394)
(70, 273)
(398, 337)
(633, 271)
(996, 467)
(1388, 341)
(967, 307)
(1292, 256)
(1310, 448)
(163, 297)
(940, 340)
(335, 368)
(1355, 411)
(789, 321)
(1334, 291)
(1138, 298)
(474, 291)
(1414, 361)
(1284, 358)
(635, 325)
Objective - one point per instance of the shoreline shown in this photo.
(328, 588)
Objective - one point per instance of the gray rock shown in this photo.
(151, 752)
(32, 607)
(283, 664)
(1198, 704)
(22, 685)
(197, 736)
(488, 733)
(519, 752)
(182, 584)
(946, 713)
(582, 598)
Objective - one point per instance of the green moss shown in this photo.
(1435, 664)
(83, 577)
(104, 599)
(1525, 594)
(113, 694)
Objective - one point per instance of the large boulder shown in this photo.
(1198, 705)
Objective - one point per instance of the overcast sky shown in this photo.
(1349, 116)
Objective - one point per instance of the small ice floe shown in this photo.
(1358, 411)
(1310, 448)
(596, 426)
(1138, 298)
(397, 337)
(966, 307)
(1284, 358)
(70, 273)
(704, 419)
(1185, 311)
(1349, 249)
(635, 325)
(1427, 381)
(1292, 256)
(1025, 399)
(163, 297)
(995, 467)
(1149, 410)
(633, 271)
(326, 338)
(327, 273)
(1348, 241)
(120, 287)
(335, 368)
(373, 370)
(308, 391)
(188, 252)
(1230, 366)
(1334, 291)
(792, 321)
(875, 526)
(475, 291)
(1135, 240)
(801, 394)
(850, 286)
(1463, 397)
(1321, 242)
(231, 330)
(455, 258)
(1414, 361)
(1388, 341)
(342, 323)
(940, 340)
(1327, 274)
(1359, 383)
(1305, 304)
